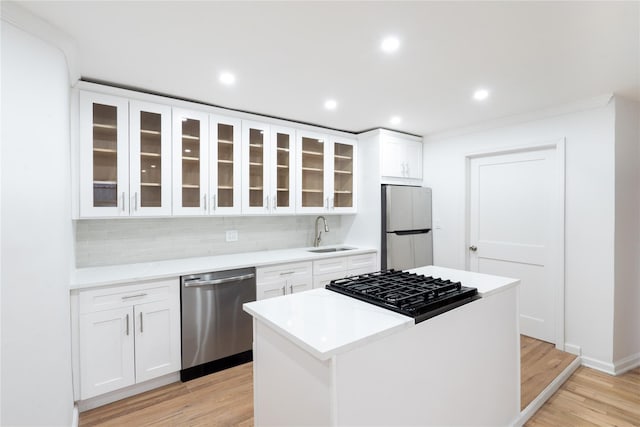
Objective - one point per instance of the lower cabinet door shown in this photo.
(299, 284)
(106, 351)
(271, 289)
(157, 332)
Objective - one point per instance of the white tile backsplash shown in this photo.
(123, 241)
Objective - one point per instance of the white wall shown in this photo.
(589, 212)
(36, 244)
(121, 241)
(627, 232)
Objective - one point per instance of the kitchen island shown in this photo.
(322, 358)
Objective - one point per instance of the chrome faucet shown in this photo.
(316, 241)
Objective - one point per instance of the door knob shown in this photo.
(473, 248)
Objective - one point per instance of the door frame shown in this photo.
(558, 221)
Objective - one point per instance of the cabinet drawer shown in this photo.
(106, 298)
(365, 263)
(323, 280)
(330, 265)
(282, 271)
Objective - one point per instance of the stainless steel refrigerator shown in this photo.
(407, 238)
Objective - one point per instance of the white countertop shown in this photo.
(326, 323)
(125, 273)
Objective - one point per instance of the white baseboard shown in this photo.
(573, 349)
(628, 363)
(104, 399)
(75, 421)
(606, 367)
(537, 403)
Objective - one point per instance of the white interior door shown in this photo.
(513, 230)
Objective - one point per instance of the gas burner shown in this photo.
(411, 294)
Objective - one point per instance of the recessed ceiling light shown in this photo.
(330, 104)
(395, 120)
(227, 78)
(390, 44)
(480, 94)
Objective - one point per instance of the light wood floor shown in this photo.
(226, 398)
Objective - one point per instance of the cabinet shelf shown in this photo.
(191, 159)
(104, 182)
(338, 156)
(105, 150)
(191, 137)
(150, 184)
(313, 169)
(143, 154)
(256, 145)
(225, 141)
(190, 186)
(343, 172)
(255, 164)
(150, 132)
(284, 190)
(283, 166)
(283, 149)
(226, 162)
(313, 153)
(104, 126)
(225, 187)
(342, 192)
(310, 190)
(256, 188)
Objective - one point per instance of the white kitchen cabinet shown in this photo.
(225, 165)
(401, 157)
(125, 157)
(104, 156)
(283, 279)
(326, 167)
(127, 335)
(328, 269)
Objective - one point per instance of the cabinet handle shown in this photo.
(123, 201)
(407, 169)
(274, 203)
(283, 290)
(127, 318)
(291, 288)
(284, 273)
(326, 203)
(205, 202)
(134, 296)
(266, 202)
(332, 203)
(141, 327)
(213, 202)
(135, 197)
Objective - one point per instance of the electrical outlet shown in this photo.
(232, 235)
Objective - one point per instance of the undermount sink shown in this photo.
(324, 250)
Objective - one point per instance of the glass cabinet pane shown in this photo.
(150, 160)
(343, 176)
(105, 155)
(225, 165)
(283, 165)
(312, 172)
(256, 167)
(190, 163)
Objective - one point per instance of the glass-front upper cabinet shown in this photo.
(225, 165)
(312, 165)
(104, 156)
(190, 162)
(255, 180)
(344, 178)
(150, 159)
(283, 177)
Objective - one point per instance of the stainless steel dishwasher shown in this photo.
(216, 332)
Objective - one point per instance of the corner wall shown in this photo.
(36, 244)
(626, 348)
(589, 213)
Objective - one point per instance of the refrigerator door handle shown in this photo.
(409, 232)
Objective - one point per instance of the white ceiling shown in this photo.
(289, 57)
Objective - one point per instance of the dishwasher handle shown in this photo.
(197, 282)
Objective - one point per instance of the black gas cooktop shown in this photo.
(414, 295)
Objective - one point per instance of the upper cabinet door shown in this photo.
(343, 179)
(225, 165)
(190, 163)
(256, 197)
(282, 167)
(311, 166)
(104, 156)
(150, 159)
(401, 158)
